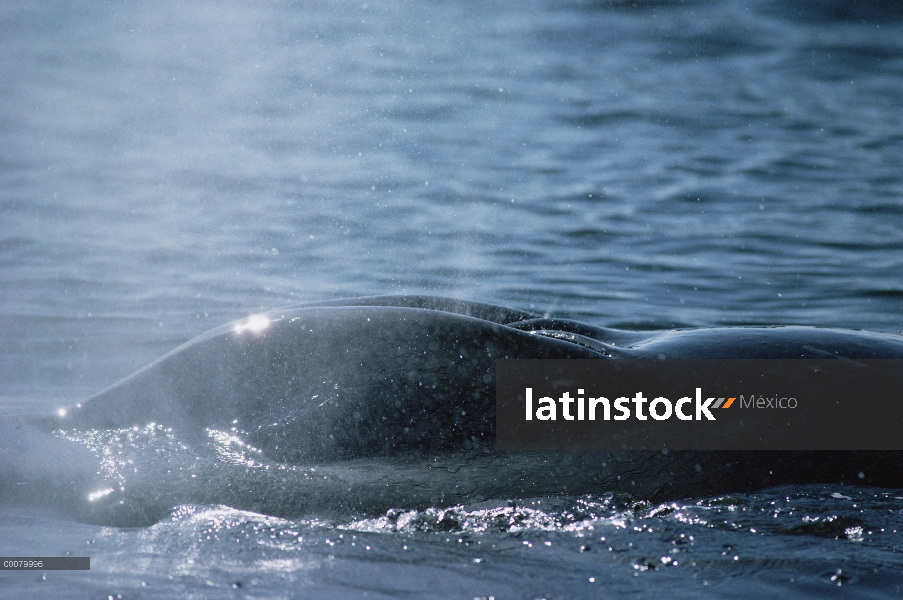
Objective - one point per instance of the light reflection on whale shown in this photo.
(358, 406)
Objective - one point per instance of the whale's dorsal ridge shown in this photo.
(478, 310)
(612, 337)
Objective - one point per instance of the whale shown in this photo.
(363, 405)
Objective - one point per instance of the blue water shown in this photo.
(167, 167)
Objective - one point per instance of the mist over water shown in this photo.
(167, 167)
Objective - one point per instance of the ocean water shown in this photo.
(167, 167)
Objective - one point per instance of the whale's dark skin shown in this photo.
(362, 405)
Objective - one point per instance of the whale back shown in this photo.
(329, 383)
(333, 382)
(363, 405)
